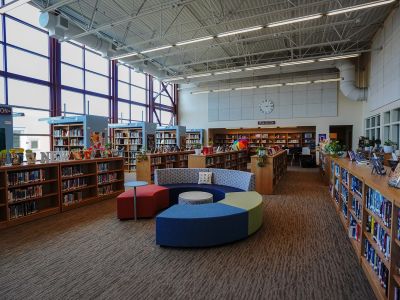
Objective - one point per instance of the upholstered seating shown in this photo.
(149, 201)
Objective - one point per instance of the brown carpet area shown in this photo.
(301, 252)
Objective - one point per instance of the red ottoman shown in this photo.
(150, 200)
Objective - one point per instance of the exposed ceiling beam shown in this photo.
(58, 5)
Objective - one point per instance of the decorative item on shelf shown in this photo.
(388, 146)
(107, 150)
(17, 156)
(44, 158)
(30, 157)
(78, 155)
(87, 153)
(3, 157)
(394, 178)
(197, 148)
(240, 144)
(377, 166)
(261, 157)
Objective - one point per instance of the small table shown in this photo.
(135, 184)
(195, 197)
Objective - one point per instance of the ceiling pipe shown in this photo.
(60, 28)
(348, 83)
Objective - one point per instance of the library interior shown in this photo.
(200, 149)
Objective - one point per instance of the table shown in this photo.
(195, 197)
(135, 184)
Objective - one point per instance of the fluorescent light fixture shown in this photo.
(199, 75)
(200, 92)
(245, 88)
(358, 7)
(227, 71)
(240, 31)
(327, 80)
(124, 55)
(295, 20)
(338, 57)
(291, 63)
(270, 85)
(222, 90)
(175, 78)
(194, 40)
(260, 67)
(298, 83)
(156, 49)
(12, 5)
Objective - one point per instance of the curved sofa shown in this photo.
(235, 214)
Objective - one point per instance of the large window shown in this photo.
(86, 82)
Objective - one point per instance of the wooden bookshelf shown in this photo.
(145, 168)
(171, 136)
(234, 160)
(68, 137)
(194, 136)
(267, 137)
(30, 192)
(268, 177)
(355, 191)
(132, 138)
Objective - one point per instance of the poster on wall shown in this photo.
(321, 137)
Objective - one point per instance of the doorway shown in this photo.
(343, 134)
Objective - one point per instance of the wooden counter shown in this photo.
(267, 177)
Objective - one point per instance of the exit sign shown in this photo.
(266, 122)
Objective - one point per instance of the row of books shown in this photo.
(29, 192)
(357, 207)
(377, 265)
(105, 190)
(23, 209)
(72, 198)
(356, 185)
(72, 132)
(105, 178)
(337, 170)
(76, 142)
(166, 142)
(354, 229)
(345, 196)
(61, 142)
(103, 167)
(75, 183)
(379, 234)
(16, 178)
(165, 135)
(71, 171)
(130, 141)
(380, 206)
(156, 160)
(192, 136)
(345, 176)
(132, 134)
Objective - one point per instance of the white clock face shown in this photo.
(267, 106)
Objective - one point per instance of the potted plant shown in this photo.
(30, 156)
(333, 148)
(388, 146)
(197, 148)
(261, 156)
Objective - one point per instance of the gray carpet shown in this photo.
(301, 252)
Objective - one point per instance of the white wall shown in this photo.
(193, 113)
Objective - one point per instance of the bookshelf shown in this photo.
(171, 136)
(75, 133)
(369, 211)
(145, 168)
(303, 136)
(233, 160)
(324, 167)
(268, 177)
(132, 138)
(194, 136)
(30, 192)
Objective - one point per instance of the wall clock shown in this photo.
(267, 106)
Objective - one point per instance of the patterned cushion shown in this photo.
(205, 178)
(177, 175)
(239, 179)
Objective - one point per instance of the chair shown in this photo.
(295, 154)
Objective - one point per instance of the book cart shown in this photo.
(145, 168)
(132, 138)
(30, 192)
(369, 211)
(76, 133)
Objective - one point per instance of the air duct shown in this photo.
(348, 82)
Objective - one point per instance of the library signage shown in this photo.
(266, 122)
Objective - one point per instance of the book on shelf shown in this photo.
(75, 183)
(380, 206)
(72, 198)
(105, 190)
(377, 266)
(18, 210)
(102, 167)
(380, 236)
(71, 171)
(107, 178)
(16, 195)
(17, 178)
(354, 229)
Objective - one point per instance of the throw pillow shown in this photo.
(205, 178)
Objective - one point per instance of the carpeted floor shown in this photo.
(301, 252)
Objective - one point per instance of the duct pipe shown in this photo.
(348, 82)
